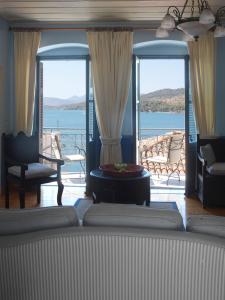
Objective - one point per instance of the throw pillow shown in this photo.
(125, 215)
(14, 221)
(208, 154)
(213, 225)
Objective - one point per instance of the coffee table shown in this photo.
(128, 190)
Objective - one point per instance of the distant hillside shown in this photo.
(62, 103)
(166, 100)
(80, 106)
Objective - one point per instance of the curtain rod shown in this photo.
(122, 28)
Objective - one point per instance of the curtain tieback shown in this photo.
(109, 141)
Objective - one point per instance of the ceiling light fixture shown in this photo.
(200, 20)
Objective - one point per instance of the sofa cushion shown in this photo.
(13, 221)
(125, 215)
(35, 170)
(217, 168)
(208, 154)
(213, 225)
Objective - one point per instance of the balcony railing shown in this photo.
(153, 142)
(156, 143)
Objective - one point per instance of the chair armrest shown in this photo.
(203, 164)
(201, 159)
(12, 162)
(81, 151)
(54, 160)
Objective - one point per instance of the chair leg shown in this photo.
(82, 166)
(60, 191)
(39, 194)
(22, 196)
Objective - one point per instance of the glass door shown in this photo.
(161, 119)
(62, 113)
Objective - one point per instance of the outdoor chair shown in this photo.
(24, 165)
(79, 154)
(171, 162)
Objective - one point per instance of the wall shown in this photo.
(4, 111)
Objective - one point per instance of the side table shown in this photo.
(128, 190)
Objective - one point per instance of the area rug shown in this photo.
(82, 204)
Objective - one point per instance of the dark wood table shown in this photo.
(128, 190)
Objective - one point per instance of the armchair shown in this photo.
(211, 171)
(23, 165)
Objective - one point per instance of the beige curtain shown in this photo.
(111, 59)
(202, 67)
(25, 49)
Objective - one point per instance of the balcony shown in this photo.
(63, 142)
(156, 143)
(152, 143)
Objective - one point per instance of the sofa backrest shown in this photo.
(92, 263)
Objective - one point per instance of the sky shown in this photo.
(64, 79)
(157, 74)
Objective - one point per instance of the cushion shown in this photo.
(35, 170)
(208, 154)
(217, 169)
(125, 215)
(212, 225)
(13, 221)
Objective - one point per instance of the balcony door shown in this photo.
(163, 109)
(66, 113)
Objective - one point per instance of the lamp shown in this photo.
(201, 20)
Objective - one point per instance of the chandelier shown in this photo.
(200, 20)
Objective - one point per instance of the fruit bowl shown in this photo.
(121, 170)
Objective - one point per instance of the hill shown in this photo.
(166, 100)
(62, 103)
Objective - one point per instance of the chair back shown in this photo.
(21, 148)
(175, 148)
(57, 147)
(51, 145)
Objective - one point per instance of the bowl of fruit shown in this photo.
(121, 170)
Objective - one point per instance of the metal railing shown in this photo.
(156, 132)
(69, 137)
(149, 138)
(157, 145)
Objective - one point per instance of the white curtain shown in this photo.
(111, 61)
(25, 50)
(202, 67)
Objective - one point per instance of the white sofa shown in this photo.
(110, 261)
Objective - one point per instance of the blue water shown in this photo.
(60, 118)
(64, 118)
(76, 119)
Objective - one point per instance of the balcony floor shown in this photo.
(70, 179)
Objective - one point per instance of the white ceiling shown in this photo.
(77, 11)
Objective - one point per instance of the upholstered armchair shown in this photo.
(211, 172)
(24, 165)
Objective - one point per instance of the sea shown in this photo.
(62, 118)
(71, 124)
